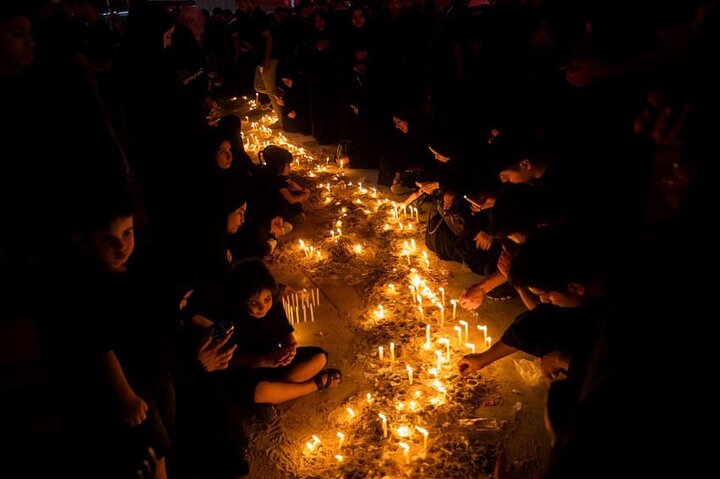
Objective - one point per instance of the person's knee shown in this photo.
(263, 393)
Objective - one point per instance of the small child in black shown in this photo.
(268, 366)
(284, 194)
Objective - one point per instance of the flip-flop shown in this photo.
(331, 374)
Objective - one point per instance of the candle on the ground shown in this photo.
(438, 355)
(442, 315)
(427, 336)
(488, 342)
(442, 295)
(454, 305)
(350, 412)
(384, 424)
(392, 354)
(341, 436)
(425, 433)
(406, 451)
(409, 370)
(483, 328)
(465, 325)
(471, 346)
(381, 352)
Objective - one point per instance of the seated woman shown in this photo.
(268, 366)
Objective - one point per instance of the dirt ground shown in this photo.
(473, 419)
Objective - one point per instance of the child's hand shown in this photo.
(277, 358)
(134, 410)
(292, 351)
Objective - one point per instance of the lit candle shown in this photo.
(458, 330)
(488, 342)
(391, 288)
(381, 353)
(454, 305)
(422, 313)
(438, 355)
(406, 451)
(419, 300)
(425, 433)
(304, 314)
(392, 354)
(413, 245)
(341, 437)
(442, 295)
(384, 424)
(350, 412)
(339, 457)
(471, 346)
(369, 398)
(442, 315)
(358, 249)
(409, 370)
(427, 336)
(312, 314)
(465, 325)
(483, 328)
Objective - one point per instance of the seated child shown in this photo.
(268, 365)
(286, 196)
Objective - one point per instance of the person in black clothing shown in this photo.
(284, 197)
(111, 354)
(268, 366)
(294, 101)
(567, 273)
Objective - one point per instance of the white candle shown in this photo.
(351, 413)
(422, 313)
(406, 451)
(442, 315)
(488, 342)
(438, 355)
(454, 305)
(312, 314)
(427, 336)
(384, 424)
(442, 295)
(471, 346)
(458, 330)
(304, 314)
(465, 325)
(412, 244)
(341, 437)
(381, 353)
(425, 433)
(483, 328)
(409, 370)
(392, 354)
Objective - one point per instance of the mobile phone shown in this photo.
(219, 329)
(475, 204)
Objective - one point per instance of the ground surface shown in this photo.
(468, 421)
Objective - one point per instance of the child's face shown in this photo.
(286, 170)
(114, 245)
(259, 304)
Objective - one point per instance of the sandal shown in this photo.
(331, 375)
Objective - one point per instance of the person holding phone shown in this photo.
(268, 366)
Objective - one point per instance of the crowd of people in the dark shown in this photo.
(560, 147)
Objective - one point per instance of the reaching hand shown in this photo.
(276, 226)
(473, 296)
(471, 363)
(483, 241)
(134, 410)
